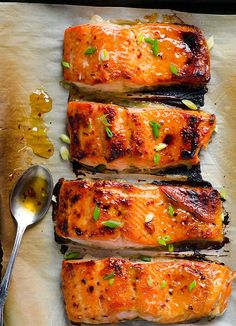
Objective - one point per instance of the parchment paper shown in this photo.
(31, 39)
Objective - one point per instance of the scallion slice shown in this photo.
(156, 158)
(149, 281)
(90, 51)
(146, 258)
(171, 210)
(155, 128)
(190, 104)
(108, 276)
(72, 255)
(163, 240)
(65, 64)
(163, 284)
(112, 224)
(173, 69)
(160, 147)
(192, 285)
(140, 38)
(109, 132)
(96, 213)
(104, 120)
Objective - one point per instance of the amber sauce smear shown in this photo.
(36, 133)
(34, 194)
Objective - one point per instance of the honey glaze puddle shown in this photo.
(36, 134)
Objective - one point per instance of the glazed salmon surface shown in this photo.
(147, 215)
(125, 138)
(115, 289)
(119, 58)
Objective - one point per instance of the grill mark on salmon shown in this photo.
(132, 144)
(162, 291)
(129, 62)
(143, 210)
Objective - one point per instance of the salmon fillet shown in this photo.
(115, 289)
(142, 215)
(120, 138)
(120, 58)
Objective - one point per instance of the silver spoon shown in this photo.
(29, 202)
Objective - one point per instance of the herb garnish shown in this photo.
(96, 213)
(90, 51)
(112, 224)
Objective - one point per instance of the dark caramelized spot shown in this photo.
(75, 198)
(90, 289)
(117, 149)
(63, 227)
(149, 227)
(78, 231)
(191, 40)
(202, 203)
(83, 281)
(168, 139)
(190, 137)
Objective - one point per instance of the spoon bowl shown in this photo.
(31, 196)
(29, 202)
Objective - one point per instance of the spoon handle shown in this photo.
(6, 279)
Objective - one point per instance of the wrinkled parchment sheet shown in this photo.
(31, 40)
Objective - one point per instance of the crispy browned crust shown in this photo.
(132, 143)
(162, 291)
(131, 63)
(196, 213)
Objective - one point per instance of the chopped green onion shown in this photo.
(173, 69)
(155, 48)
(112, 224)
(145, 258)
(108, 276)
(104, 120)
(54, 198)
(223, 194)
(109, 132)
(162, 241)
(90, 51)
(210, 42)
(65, 64)
(111, 281)
(65, 138)
(96, 213)
(103, 55)
(155, 128)
(170, 210)
(149, 217)
(192, 285)
(154, 43)
(189, 104)
(140, 38)
(156, 158)
(149, 281)
(160, 147)
(163, 284)
(65, 155)
(170, 247)
(72, 255)
(149, 40)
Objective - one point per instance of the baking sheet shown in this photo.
(31, 38)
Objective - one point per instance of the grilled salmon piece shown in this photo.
(120, 138)
(115, 289)
(142, 215)
(121, 58)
